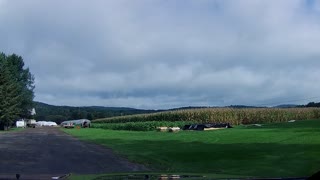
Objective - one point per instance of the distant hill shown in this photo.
(46, 112)
(188, 107)
(203, 107)
(243, 106)
(287, 106)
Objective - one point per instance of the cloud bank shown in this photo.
(164, 54)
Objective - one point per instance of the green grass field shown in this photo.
(13, 130)
(152, 176)
(273, 150)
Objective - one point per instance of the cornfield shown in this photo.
(222, 115)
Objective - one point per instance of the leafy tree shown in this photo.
(313, 104)
(9, 98)
(90, 116)
(16, 90)
(75, 115)
(56, 118)
(25, 81)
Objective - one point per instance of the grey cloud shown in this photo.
(162, 54)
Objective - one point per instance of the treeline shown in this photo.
(313, 104)
(46, 112)
(16, 90)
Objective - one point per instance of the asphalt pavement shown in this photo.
(48, 151)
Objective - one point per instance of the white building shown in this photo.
(46, 123)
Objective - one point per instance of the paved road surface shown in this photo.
(48, 150)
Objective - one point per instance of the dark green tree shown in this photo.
(89, 116)
(25, 81)
(16, 90)
(9, 95)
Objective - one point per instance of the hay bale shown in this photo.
(162, 129)
(174, 129)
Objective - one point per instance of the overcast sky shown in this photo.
(166, 53)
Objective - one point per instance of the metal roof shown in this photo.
(77, 121)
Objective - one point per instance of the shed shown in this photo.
(81, 122)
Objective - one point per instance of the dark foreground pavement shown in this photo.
(49, 151)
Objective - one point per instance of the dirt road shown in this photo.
(48, 150)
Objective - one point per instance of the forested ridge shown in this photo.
(46, 112)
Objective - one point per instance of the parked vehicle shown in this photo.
(21, 124)
(31, 123)
(67, 124)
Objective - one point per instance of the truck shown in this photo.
(31, 123)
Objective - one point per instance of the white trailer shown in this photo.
(21, 124)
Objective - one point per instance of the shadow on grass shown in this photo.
(297, 126)
(289, 125)
(252, 159)
(12, 130)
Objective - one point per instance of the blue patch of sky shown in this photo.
(311, 6)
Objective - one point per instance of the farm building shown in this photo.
(79, 122)
(46, 123)
(22, 123)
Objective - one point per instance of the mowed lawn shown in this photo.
(272, 150)
(12, 130)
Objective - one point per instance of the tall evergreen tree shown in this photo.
(25, 81)
(16, 90)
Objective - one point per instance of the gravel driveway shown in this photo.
(48, 150)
